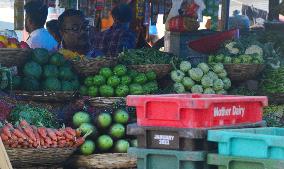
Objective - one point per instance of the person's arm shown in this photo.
(128, 41)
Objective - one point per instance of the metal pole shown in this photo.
(225, 14)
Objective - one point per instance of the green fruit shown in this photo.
(76, 84)
(106, 91)
(132, 73)
(83, 90)
(52, 84)
(125, 80)
(121, 116)
(150, 87)
(99, 80)
(57, 59)
(16, 82)
(32, 69)
(113, 81)
(120, 70)
(140, 79)
(121, 91)
(50, 71)
(87, 128)
(93, 91)
(40, 56)
(117, 131)
(65, 73)
(88, 81)
(67, 86)
(30, 84)
(136, 89)
(134, 143)
(104, 120)
(80, 118)
(151, 75)
(105, 72)
(88, 147)
(105, 142)
(121, 146)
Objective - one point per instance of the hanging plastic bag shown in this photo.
(176, 4)
(202, 7)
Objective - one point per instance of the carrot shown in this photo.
(25, 143)
(28, 130)
(36, 134)
(6, 130)
(59, 133)
(70, 131)
(19, 134)
(81, 140)
(42, 141)
(14, 145)
(21, 140)
(4, 137)
(51, 134)
(68, 136)
(42, 132)
(48, 141)
(54, 142)
(78, 133)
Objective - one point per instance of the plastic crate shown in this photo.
(168, 159)
(257, 143)
(196, 110)
(175, 138)
(229, 162)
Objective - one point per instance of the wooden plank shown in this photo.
(4, 159)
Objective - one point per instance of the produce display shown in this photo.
(25, 135)
(5, 78)
(70, 55)
(119, 82)
(146, 56)
(107, 131)
(274, 115)
(207, 79)
(243, 51)
(273, 81)
(47, 72)
(13, 43)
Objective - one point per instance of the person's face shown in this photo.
(75, 32)
(28, 24)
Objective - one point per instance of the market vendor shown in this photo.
(53, 28)
(39, 37)
(119, 37)
(75, 33)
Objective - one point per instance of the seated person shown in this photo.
(36, 15)
(53, 29)
(119, 37)
(75, 33)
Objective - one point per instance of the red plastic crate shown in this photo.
(196, 110)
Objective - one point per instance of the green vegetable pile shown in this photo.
(202, 79)
(34, 116)
(48, 73)
(274, 115)
(146, 56)
(273, 81)
(119, 82)
(240, 59)
(108, 131)
(242, 91)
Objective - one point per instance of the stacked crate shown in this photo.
(261, 148)
(172, 129)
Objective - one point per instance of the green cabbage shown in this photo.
(207, 81)
(209, 91)
(179, 88)
(227, 83)
(197, 89)
(212, 75)
(221, 92)
(223, 74)
(188, 83)
(218, 67)
(177, 76)
(185, 66)
(204, 67)
(196, 74)
(218, 85)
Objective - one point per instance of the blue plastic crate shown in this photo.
(257, 142)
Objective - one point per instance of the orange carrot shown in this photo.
(36, 134)
(81, 140)
(68, 136)
(78, 133)
(42, 141)
(51, 134)
(70, 131)
(19, 134)
(58, 133)
(28, 130)
(6, 130)
(21, 140)
(48, 141)
(4, 137)
(42, 132)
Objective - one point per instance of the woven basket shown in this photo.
(105, 101)
(22, 158)
(45, 96)
(103, 161)
(87, 67)
(161, 70)
(14, 57)
(242, 72)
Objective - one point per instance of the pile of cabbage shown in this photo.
(204, 79)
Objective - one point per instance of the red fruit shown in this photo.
(24, 45)
(2, 45)
(13, 40)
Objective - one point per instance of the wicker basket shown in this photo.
(105, 101)
(45, 96)
(103, 161)
(14, 57)
(22, 158)
(161, 70)
(87, 67)
(242, 72)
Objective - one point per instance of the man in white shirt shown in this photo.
(39, 37)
